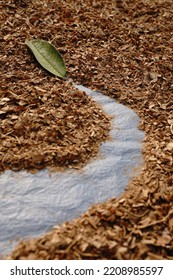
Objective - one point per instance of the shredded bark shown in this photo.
(123, 49)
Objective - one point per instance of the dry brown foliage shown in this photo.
(123, 49)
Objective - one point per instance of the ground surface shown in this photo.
(123, 49)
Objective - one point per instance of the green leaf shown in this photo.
(48, 57)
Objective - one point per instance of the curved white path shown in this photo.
(30, 204)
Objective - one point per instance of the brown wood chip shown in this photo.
(123, 49)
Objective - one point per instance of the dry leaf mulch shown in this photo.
(48, 127)
(123, 49)
(44, 122)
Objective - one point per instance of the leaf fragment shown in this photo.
(47, 56)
